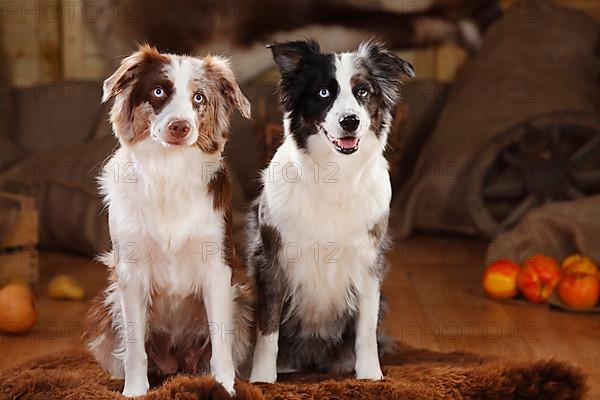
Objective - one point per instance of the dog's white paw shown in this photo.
(135, 387)
(227, 381)
(369, 370)
(264, 372)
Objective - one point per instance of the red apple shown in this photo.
(579, 264)
(538, 278)
(579, 290)
(500, 279)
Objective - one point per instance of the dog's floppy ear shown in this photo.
(234, 96)
(290, 56)
(227, 85)
(387, 68)
(126, 73)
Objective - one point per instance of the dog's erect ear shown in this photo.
(227, 85)
(126, 73)
(386, 60)
(290, 56)
(387, 67)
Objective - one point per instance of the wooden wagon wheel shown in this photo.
(549, 158)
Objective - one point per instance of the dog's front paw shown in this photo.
(135, 387)
(264, 372)
(227, 381)
(369, 370)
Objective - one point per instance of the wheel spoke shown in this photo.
(519, 211)
(586, 179)
(574, 193)
(503, 191)
(514, 161)
(585, 151)
(555, 142)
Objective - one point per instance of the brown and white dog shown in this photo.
(170, 305)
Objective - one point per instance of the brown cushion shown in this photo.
(55, 116)
(64, 186)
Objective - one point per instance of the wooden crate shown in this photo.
(23, 229)
(21, 263)
(18, 238)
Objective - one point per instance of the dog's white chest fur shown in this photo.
(324, 220)
(161, 213)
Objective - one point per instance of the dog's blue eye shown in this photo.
(158, 92)
(198, 98)
(324, 93)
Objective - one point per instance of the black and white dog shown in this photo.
(317, 233)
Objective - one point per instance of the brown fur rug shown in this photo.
(411, 374)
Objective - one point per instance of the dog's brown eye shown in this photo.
(158, 92)
(362, 92)
(198, 98)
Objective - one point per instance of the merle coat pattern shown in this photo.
(319, 306)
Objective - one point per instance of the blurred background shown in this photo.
(494, 154)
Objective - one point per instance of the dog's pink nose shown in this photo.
(178, 128)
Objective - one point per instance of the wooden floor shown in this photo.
(434, 297)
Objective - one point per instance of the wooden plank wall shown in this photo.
(30, 40)
(48, 40)
(81, 58)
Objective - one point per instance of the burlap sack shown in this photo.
(539, 58)
(423, 102)
(555, 229)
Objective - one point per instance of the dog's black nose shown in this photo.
(349, 123)
(179, 128)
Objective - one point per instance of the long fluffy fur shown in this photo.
(169, 305)
(317, 238)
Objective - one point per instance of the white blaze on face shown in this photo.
(180, 106)
(345, 103)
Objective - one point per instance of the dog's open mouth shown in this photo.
(344, 145)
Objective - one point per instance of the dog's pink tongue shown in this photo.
(348, 142)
